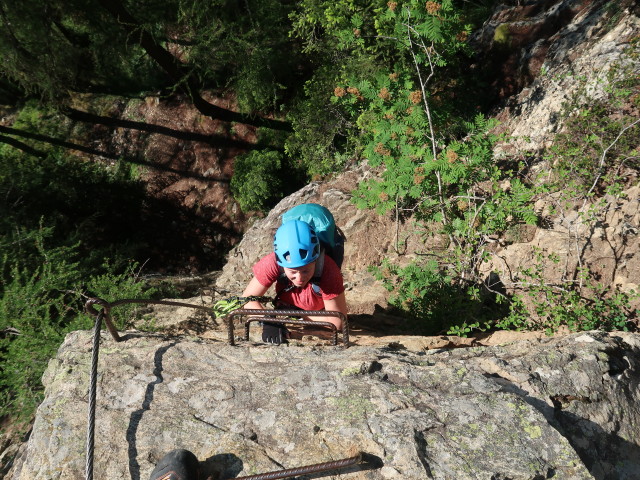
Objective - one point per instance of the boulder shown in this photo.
(563, 407)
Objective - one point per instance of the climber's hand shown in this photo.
(274, 333)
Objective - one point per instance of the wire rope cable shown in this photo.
(93, 379)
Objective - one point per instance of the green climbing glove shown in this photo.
(224, 307)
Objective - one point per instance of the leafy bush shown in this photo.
(97, 206)
(38, 307)
(356, 41)
(542, 306)
(60, 217)
(462, 196)
(583, 305)
(591, 163)
(593, 155)
(320, 144)
(432, 165)
(257, 180)
(435, 302)
(448, 180)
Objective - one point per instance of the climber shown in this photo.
(305, 278)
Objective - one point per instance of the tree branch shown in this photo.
(423, 84)
(604, 155)
(178, 72)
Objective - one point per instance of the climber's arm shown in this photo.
(254, 288)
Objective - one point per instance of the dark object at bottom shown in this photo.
(274, 333)
(176, 465)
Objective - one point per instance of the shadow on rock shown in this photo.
(136, 416)
(606, 455)
(221, 466)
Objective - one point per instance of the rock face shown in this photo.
(610, 247)
(544, 52)
(550, 408)
(554, 51)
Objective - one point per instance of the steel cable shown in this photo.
(92, 395)
(91, 420)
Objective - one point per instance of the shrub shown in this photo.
(38, 307)
(257, 182)
(580, 305)
(456, 189)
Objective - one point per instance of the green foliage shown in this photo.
(461, 188)
(111, 283)
(542, 306)
(387, 85)
(53, 49)
(319, 143)
(450, 183)
(360, 25)
(241, 45)
(396, 125)
(257, 181)
(38, 306)
(355, 42)
(593, 159)
(81, 201)
(422, 291)
(436, 303)
(49, 48)
(60, 217)
(584, 305)
(597, 148)
(263, 177)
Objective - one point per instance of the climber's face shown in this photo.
(301, 275)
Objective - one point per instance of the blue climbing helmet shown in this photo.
(296, 244)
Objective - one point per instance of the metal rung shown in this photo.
(271, 317)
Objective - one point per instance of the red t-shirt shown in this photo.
(331, 284)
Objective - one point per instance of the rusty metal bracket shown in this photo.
(106, 313)
(107, 306)
(271, 316)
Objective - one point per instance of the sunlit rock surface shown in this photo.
(547, 408)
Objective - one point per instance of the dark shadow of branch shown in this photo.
(21, 146)
(213, 140)
(91, 151)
